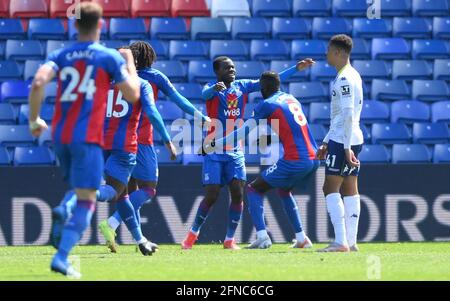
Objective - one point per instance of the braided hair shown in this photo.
(144, 54)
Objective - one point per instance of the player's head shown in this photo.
(144, 54)
(90, 21)
(339, 49)
(224, 69)
(270, 83)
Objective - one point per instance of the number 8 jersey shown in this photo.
(84, 72)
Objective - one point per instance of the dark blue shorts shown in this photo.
(288, 174)
(217, 172)
(336, 164)
(119, 165)
(146, 168)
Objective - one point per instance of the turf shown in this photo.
(397, 261)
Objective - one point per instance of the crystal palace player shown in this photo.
(84, 73)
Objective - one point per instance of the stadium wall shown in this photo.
(399, 203)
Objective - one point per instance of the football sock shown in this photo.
(201, 216)
(234, 216)
(352, 211)
(127, 215)
(106, 193)
(256, 208)
(69, 202)
(335, 208)
(291, 209)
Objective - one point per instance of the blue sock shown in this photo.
(200, 217)
(234, 216)
(256, 208)
(291, 209)
(137, 199)
(127, 215)
(69, 202)
(73, 230)
(106, 193)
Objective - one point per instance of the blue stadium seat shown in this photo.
(255, 97)
(2, 49)
(390, 48)
(73, 32)
(13, 135)
(164, 156)
(234, 49)
(397, 8)
(374, 153)
(31, 66)
(11, 29)
(46, 29)
(169, 28)
(230, 8)
(411, 28)
(426, 8)
(410, 153)
(209, 28)
(350, 8)
(321, 71)
(201, 71)
(15, 91)
(409, 111)
(250, 28)
(126, 29)
(374, 111)
(411, 69)
(5, 159)
(315, 49)
(430, 90)
(318, 131)
(390, 133)
(7, 114)
(307, 92)
(367, 132)
(308, 8)
(46, 137)
(173, 69)
(52, 45)
(372, 69)
(113, 43)
(271, 8)
(161, 48)
(22, 50)
(192, 91)
(279, 66)
(431, 133)
(319, 113)
(430, 49)
(390, 89)
(47, 111)
(9, 70)
(325, 28)
(290, 28)
(188, 50)
(441, 153)
(442, 69)
(199, 106)
(372, 28)
(440, 111)
(33, 155)
(361, 49)
(441, 27)
(269, 50)
(249, 69)
(50, 92)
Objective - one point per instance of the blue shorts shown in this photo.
(336, 163)
(223, 172)
(288, 174)
(119, 165)
(147, 164)
(82, 164)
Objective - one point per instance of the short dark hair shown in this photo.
(90, 15)
(270, 81)
(218, 60)
(342, 42)
(143, 53)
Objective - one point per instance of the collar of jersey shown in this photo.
(343, 68)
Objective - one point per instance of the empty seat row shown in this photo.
(405, 153)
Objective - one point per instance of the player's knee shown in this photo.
(212, 195)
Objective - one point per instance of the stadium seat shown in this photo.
(188, 50)
(309, 91)
(46, 137)
(440, 111)
(248, 113)
(397, 8)
(410, 153)
(411, 28)
(374, 111)
(11, 29)
(441, 27)
(308, 8)
(318, 131)
(372, 69)
(73, 32)
(389, 89)
(361, 49)
(15, 91)
(201, 71)
(249, 69)
(441, 153)
(50, 92)
(169, 110)
(319, 113)
(349, 8)
(13, 135)
(199, 106)
(169, 28)
(189, 8)
(230, 8)
(4, 9)
(234, 49)
(33, 155)
(59, 9)
(315, 49)
(325, 28)
(125, 29)
(431, 133)
(31, 66)
(279, 66)
(7, 114)
(154, 8)
(374, 153)
(409, 111)
(191, 91)
(321, 71)
(390, 133)
(46, 29)
(173, 69)
(161, 48)
(372, 28)
(46, 113)
(22, 50)
(442, 69)
(269, 50)
(255, 97)
(430, 90)
(209, 28)
(250, 28)
(411, 69)
(427, 8)
(53, 45)
(9, 70)
(430, 49)
(290, 28)
(271, 8)
(390, 48)
(117, 8)
(2, 50)
(366, 131)
(164, 156)
(5, 158)
(28, 9)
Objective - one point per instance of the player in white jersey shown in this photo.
(341, 147)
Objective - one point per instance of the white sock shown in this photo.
(300, 236)
(335, 208)
(143, 240)
(261, 234)
(352, 212)
(228, 238)
(113, 222)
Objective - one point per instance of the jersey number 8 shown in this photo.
(295, 109)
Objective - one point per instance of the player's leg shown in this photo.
(349, 191)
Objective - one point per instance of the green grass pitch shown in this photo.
(375, 261)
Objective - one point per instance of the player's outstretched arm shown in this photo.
(209, 90)
(130, 87)
(301, 65)
(186, 106)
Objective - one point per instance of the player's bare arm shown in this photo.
(131, 87)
